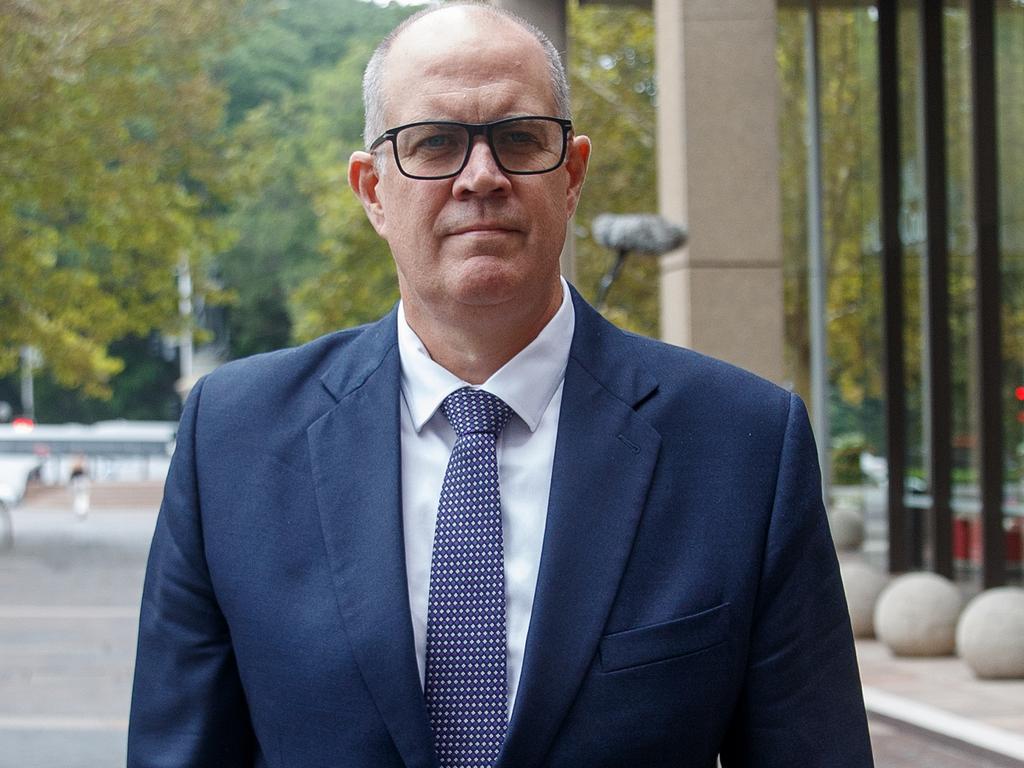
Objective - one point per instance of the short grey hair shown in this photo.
(375, 100)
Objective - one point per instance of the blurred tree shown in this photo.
(354, 282)
(304, 261)
(276, 224)
(143, 390)
(112, 166)
(285, 42)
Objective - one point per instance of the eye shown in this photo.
(437, 141)
(518, 138)
(432, 140)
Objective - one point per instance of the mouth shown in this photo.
(484, 228)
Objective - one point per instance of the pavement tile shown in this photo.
(946, 683)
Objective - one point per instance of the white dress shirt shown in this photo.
(531, 384)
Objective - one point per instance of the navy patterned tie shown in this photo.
(466, 688)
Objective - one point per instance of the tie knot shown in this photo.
(473, 411)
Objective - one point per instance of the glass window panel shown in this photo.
(848, 103)
(848, 98)
(912, 235)
(1010, 112)
(913, 223)
(790, 57)
(848, 55)
(962, 238)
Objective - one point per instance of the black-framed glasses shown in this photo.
(440, 149)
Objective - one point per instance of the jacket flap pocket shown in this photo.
(659, 642)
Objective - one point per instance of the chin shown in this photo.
(510, 288)
(485, 292)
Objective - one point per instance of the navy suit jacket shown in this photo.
(688, 602)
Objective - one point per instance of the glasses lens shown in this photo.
(529, 145)
(431, 149)
(439, 150)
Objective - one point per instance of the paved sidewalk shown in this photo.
(69, 609)
(942, 696)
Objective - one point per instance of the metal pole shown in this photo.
(28, 392)
(816, 266)
(937, 286)
(986, 270)
(892, 284)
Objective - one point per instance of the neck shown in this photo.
(473, 343)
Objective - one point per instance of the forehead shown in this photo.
(464, 64)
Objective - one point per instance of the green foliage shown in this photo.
(306, 261)
(356, 281)
(850, 206)
(846, 451)
(143, 390)
(285, 43)
(277, 232)
(111, 164)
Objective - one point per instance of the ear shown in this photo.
(578, 156)
(363, 178)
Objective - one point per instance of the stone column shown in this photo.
(547, 15)
(718, 175)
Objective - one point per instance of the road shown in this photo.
(69, 594)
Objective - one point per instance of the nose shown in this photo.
(482, 175)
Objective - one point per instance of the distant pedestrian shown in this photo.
(80, 490)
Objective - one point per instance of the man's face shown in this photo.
(483, 239)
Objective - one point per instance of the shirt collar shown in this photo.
(526, 383)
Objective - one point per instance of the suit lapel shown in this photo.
(355, 451)
(604, 461)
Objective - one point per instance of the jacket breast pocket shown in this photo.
(668, 640)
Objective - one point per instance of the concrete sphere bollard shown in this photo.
(847, 526)
(863, 584)
(916, 615)
(990, 634)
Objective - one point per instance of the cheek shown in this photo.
(551, 211)
(409, 215)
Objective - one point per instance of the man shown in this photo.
(623, 562)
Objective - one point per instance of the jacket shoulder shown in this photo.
(700, 378)
(293, 384)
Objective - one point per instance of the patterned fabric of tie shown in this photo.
(466, 687)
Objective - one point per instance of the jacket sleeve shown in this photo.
(801, 702)
(188, 707)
